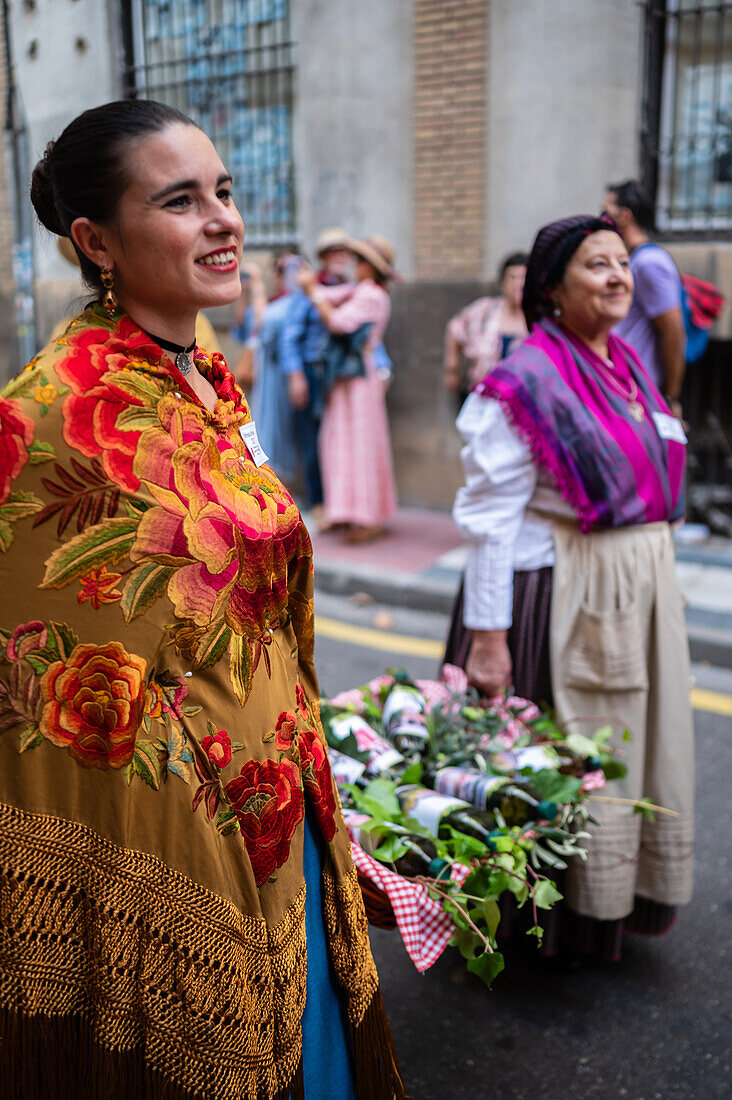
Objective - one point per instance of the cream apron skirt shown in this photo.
(619, 655)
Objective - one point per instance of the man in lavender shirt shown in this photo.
(654, 325)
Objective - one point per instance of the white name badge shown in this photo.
(669, 427)
(248, 432)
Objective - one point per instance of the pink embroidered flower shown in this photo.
(26, 639)
(231, 530)
(217, 748)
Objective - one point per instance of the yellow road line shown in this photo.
(378, 639)
(714, 702)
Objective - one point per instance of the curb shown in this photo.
(417, 593)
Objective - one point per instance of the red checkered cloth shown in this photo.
(424, 925)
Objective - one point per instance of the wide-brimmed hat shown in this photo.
(331, 239)
(377, 251)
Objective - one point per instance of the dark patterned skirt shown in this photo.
(528, 643)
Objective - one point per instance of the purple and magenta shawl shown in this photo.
(612, 470)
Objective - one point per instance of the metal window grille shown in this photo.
(228, 64)
(687, 116)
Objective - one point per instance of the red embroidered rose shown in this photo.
(269, 805)
(217, 748)
(16, 436)
(93, 704)
(285, 730)
(90, 412)
(318, 781)
(302, 701)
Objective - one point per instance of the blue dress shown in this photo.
(326, 1053)
(269, 403)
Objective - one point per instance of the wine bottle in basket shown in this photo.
(518, 803)
(403, 719)
(420, 857)
(439, 813)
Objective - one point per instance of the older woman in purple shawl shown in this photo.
(574, 469)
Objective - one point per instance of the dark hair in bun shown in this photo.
(83, 174)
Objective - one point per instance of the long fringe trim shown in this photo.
(56, 1057)
(378, 1075)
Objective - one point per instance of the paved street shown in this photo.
(657, 1024)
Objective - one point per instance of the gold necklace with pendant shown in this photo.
(634, 406)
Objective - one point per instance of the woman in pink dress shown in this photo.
(355, 450)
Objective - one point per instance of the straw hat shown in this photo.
(377, 251)
(330, 239)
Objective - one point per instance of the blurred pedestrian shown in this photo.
(268, 398)
(248, 315)
(355, 450)
(304, 338)
(654, 325)
(180, 912)
(574, 467)
(487, 330)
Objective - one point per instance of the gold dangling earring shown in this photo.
(109, 301)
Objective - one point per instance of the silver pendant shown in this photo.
(636, 410)
(183, 363)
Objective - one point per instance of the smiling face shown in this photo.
(176, 243)
(597, 287)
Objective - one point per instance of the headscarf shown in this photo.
(553, 248)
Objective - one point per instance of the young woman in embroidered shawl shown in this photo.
(180, 913)
(574, 469)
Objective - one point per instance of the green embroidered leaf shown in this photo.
(135, 419)
(140, 386)
(143, 587)
(146, 762)
(6, 536)
(23, 384)
(19, 505)
(240, 667)
(268, 738)
(190, 709)
(103, 544)
(30, 736)
(64, 639)
(40, 451)
(135, 508)
(226, 822)
(212, 646)
(37, 663)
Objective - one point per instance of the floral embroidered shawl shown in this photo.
(159, 734)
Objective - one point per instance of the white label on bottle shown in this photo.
(345, 769)
(381, 754)
(426, 807)
(248, 432)
(401, 699)
(669, 427)
(536, 757)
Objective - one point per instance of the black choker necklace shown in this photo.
(182, 354)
